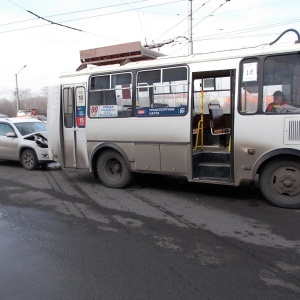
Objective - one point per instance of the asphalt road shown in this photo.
(66, 236)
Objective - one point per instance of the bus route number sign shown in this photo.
(80, 107)
(80, 116)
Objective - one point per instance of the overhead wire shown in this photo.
(95, 16)
(233, 34)
(237, 33)
(180, 21)
(252, 6)
(68, 13)
(139, 19)
(183, 35)
(207, 15)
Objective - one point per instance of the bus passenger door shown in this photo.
(74, 121)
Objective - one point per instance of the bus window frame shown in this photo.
(110, 89)
(261, 80)
(155, 112)
(251, 59)
(281, 83)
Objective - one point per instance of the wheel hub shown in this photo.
(116, 167)
(287, 182)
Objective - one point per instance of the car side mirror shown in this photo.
(11, 134)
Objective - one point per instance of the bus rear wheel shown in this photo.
(112, 170)
(280, 183)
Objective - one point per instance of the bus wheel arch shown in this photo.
(112, 168)
(100, 149)
(279, 180)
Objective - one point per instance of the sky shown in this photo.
(28, 38)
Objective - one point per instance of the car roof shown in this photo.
(23, 120)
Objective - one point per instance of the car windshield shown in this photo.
(39, 117)
(30, 127)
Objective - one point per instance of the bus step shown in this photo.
(212, 157)
(213, 170)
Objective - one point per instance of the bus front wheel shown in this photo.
(280, 183)
(112, 170)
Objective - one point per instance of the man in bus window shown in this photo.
(279, 100)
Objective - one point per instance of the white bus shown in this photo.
(208, 117)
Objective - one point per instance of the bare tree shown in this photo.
(28, 100)
(44, 91)
(8, 107)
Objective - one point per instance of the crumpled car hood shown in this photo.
(42, 134)
(39, 137)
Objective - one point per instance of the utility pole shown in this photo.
(190, 27)
(190, 30)
(17, 89)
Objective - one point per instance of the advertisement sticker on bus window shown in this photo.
(162, 111)
(108, 111)
(250, 72)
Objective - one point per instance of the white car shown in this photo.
(24, 140)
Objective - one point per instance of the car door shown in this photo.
(8, 145)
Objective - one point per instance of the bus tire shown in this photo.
(280, 183)
(29, 160)
(113, 170)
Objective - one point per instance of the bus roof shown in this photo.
(133, 56)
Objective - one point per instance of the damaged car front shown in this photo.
(24, 140)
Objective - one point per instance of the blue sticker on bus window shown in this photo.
(161, 111)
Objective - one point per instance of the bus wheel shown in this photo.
(113, 170)
(280, 183)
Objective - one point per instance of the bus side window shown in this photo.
(162, 91)
(281, 78)
(174, 89)
(124, 100)
(145, 82)
(109, 98)
(68, 108)
(248, 102)
(122, 85)
(143, 95)
(114, 90)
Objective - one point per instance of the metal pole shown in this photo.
(190, 27)
(17, 89)
(17, 93)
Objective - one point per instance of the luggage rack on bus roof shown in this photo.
(117, 54)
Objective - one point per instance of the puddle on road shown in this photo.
(133, 223)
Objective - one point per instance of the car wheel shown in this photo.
(112, 170)
(29, 160)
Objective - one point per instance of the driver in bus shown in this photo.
(279, 100)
